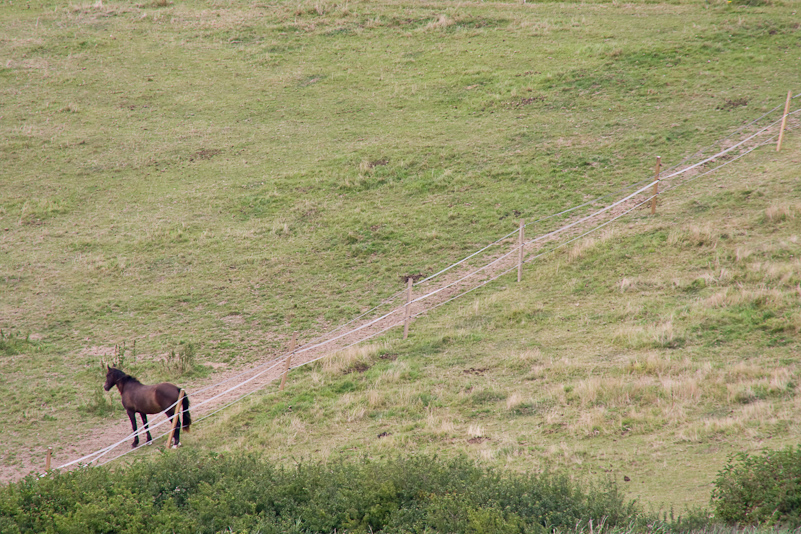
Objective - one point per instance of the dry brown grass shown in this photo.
(356, 414)
(625, 284)
(586, 245)
(681, 390)
(787, 272)
(513, 401)
(796, 322)
(674, 414)
(694, 235)
(530, 356)
(743, 371)
(475, 431)
(443, 21)
(439, 425)
(486, 453)
(376, 398)
(563, 454)
(781, 212)
(638, 337)
(393, 374)
(742, 253)
(718, 300)
(659, 390)
(349, 359)
(587, 390)
(591, 422)
(653, 364)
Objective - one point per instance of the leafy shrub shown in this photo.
(191, 492)
(762, 489)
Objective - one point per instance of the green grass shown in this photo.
(652, 352)
(225, 174)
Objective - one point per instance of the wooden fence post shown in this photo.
(520, 251)
(175, 417)
(407, 311)
(47, 461)
(784, 120)
(289, 358)
(656, 185)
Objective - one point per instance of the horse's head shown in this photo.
(112, 377)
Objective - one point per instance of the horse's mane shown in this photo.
(122, 376)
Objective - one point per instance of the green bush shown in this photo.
(763, 489)
(189, 492)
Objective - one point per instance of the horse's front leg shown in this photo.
(147, 428)
(132, 417)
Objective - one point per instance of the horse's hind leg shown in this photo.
(147, 428)
(178, 429)
(132, 417)
(172, 412)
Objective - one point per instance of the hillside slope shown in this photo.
(221, 176)
(653, 352)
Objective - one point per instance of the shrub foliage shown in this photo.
(190, 492)
(762, 489)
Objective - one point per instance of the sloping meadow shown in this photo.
(216, 176)
(644, 354)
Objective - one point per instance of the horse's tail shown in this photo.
(186, 419)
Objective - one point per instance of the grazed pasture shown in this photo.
(221, 174)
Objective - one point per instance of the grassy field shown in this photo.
(221, 174)
(653, 353)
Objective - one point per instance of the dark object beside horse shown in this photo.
(142, 399)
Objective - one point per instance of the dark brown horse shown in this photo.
(138, 398)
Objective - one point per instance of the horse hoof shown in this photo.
(175, 446)
(149, 443)
(134, 445)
